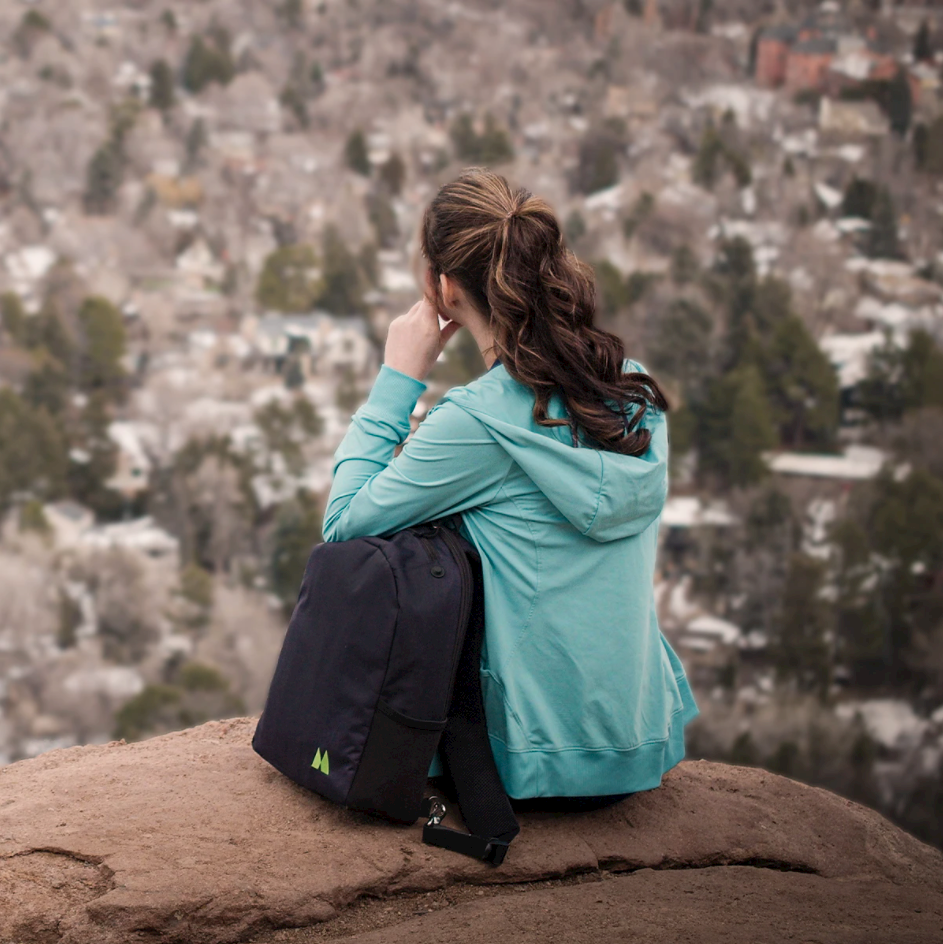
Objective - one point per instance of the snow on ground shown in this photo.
(890, 721)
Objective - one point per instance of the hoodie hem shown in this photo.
(588, 771)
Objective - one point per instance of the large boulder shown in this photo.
(192, 837)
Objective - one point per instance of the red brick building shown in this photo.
(808, 64)
(772, 54)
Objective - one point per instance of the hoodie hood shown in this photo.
(604, 495)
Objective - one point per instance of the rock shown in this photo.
(192, 837)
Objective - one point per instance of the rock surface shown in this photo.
(192, 837)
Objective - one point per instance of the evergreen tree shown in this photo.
(574, 227)
(393, 174)
(494, 144)
(684, 265)
(292, 12)
(197, 139)
(13, 317)
(904, 525)
(640, 211)
(293, 99)
(800, 646)
(598, 162)
(920, 143)
(163, 95)
(297, 530)
(899, 103)
(611, 293)
(881, 393)
(381, 214)
(88, 475)
(464, 138)
(735, 425)
(45, 332)
(802, 387)
(923, 48)
(103, 348)
(287, 281)
(343, 277)
(33, 450)
(933, 153)
(207, 61)
(883, 241)
(355, 153)
(103, 177)
(859, 198)
(680, 346)
(47, 384)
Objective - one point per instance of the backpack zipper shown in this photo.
(437, 570)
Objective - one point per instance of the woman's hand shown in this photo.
(415, 340)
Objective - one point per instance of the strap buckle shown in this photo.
(434, 833)
(434, 808)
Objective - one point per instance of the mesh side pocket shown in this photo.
(394, 764)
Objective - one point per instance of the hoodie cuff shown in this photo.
(393, 397)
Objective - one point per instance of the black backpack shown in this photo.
(378, 669)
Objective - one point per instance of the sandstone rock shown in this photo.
(192, 837)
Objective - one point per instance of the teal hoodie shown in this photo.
(583, 694)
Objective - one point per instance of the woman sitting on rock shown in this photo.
(557, 458)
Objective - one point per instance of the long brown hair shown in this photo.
(504, 247)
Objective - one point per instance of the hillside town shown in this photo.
(208, 219)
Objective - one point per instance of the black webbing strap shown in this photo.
(469, 763)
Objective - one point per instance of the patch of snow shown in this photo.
(715, 628)
(857, 463)
(115, 681)
(849, 354)
(829, 196)
(891, 722)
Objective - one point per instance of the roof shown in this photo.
(815, 47)
(782, 32)
(715, 627)
(856, 463)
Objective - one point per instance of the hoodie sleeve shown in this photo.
(450, 463)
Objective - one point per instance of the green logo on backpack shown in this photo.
(320, 762)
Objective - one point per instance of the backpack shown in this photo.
(380, 668)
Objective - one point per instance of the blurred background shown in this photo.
(208, 217)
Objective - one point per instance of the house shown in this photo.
(683, 519)
(849, 355)
(852, 119)
(248, 104)
(709, 645)
(140, 535)
(69, 521)
(198, 267)
(322, 343)
(133, 465)
(772, 54)
(27, 266)
(808, 64)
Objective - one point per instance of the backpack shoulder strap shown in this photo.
(467, 756)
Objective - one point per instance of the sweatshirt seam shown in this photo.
(563, 750)
(592, 521)
(507, 472)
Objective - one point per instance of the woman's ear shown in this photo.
(449, 292)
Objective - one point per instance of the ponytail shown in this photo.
(505, 248)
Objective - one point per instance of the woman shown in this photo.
(557, 459)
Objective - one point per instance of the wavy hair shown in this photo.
(505, 248)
